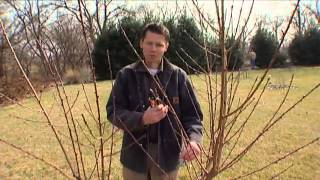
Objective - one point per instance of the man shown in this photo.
(153, 145)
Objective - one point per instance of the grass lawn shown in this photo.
(27, 128)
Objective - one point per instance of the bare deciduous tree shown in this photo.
(66, 46)
(82, 135)
(95, 20)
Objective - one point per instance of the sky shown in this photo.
(270, 9)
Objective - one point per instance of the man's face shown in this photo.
(153, 46)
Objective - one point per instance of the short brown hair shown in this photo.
(156, 28)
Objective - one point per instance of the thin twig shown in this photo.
(243, 152)
(101, 148)
(38, 100)
(36, 157)
(280, 159)
(281, 172)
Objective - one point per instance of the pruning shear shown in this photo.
(154, 99)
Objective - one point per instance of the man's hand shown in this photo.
(154, 114)
(190, 152)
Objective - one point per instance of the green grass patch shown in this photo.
(297, 128)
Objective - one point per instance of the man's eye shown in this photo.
(159, 45)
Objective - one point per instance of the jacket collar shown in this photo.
(139, 67)
(165, 66)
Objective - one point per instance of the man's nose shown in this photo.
(153, 47)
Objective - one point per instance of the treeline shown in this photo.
(196, 51)
(303, 49)
(56, 26)
(186, 47)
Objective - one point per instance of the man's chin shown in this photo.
(153, 60)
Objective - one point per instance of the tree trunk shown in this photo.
(1, 62)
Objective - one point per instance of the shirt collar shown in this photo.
(141, 68)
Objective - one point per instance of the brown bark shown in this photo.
(1, 63)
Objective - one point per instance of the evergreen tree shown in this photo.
(120, 52)
(305, 48)
(264, 44)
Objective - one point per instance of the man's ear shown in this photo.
(167, 46)
(141, 41)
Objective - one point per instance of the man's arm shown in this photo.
(190, 110)
(118, 106)
(191, 119)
